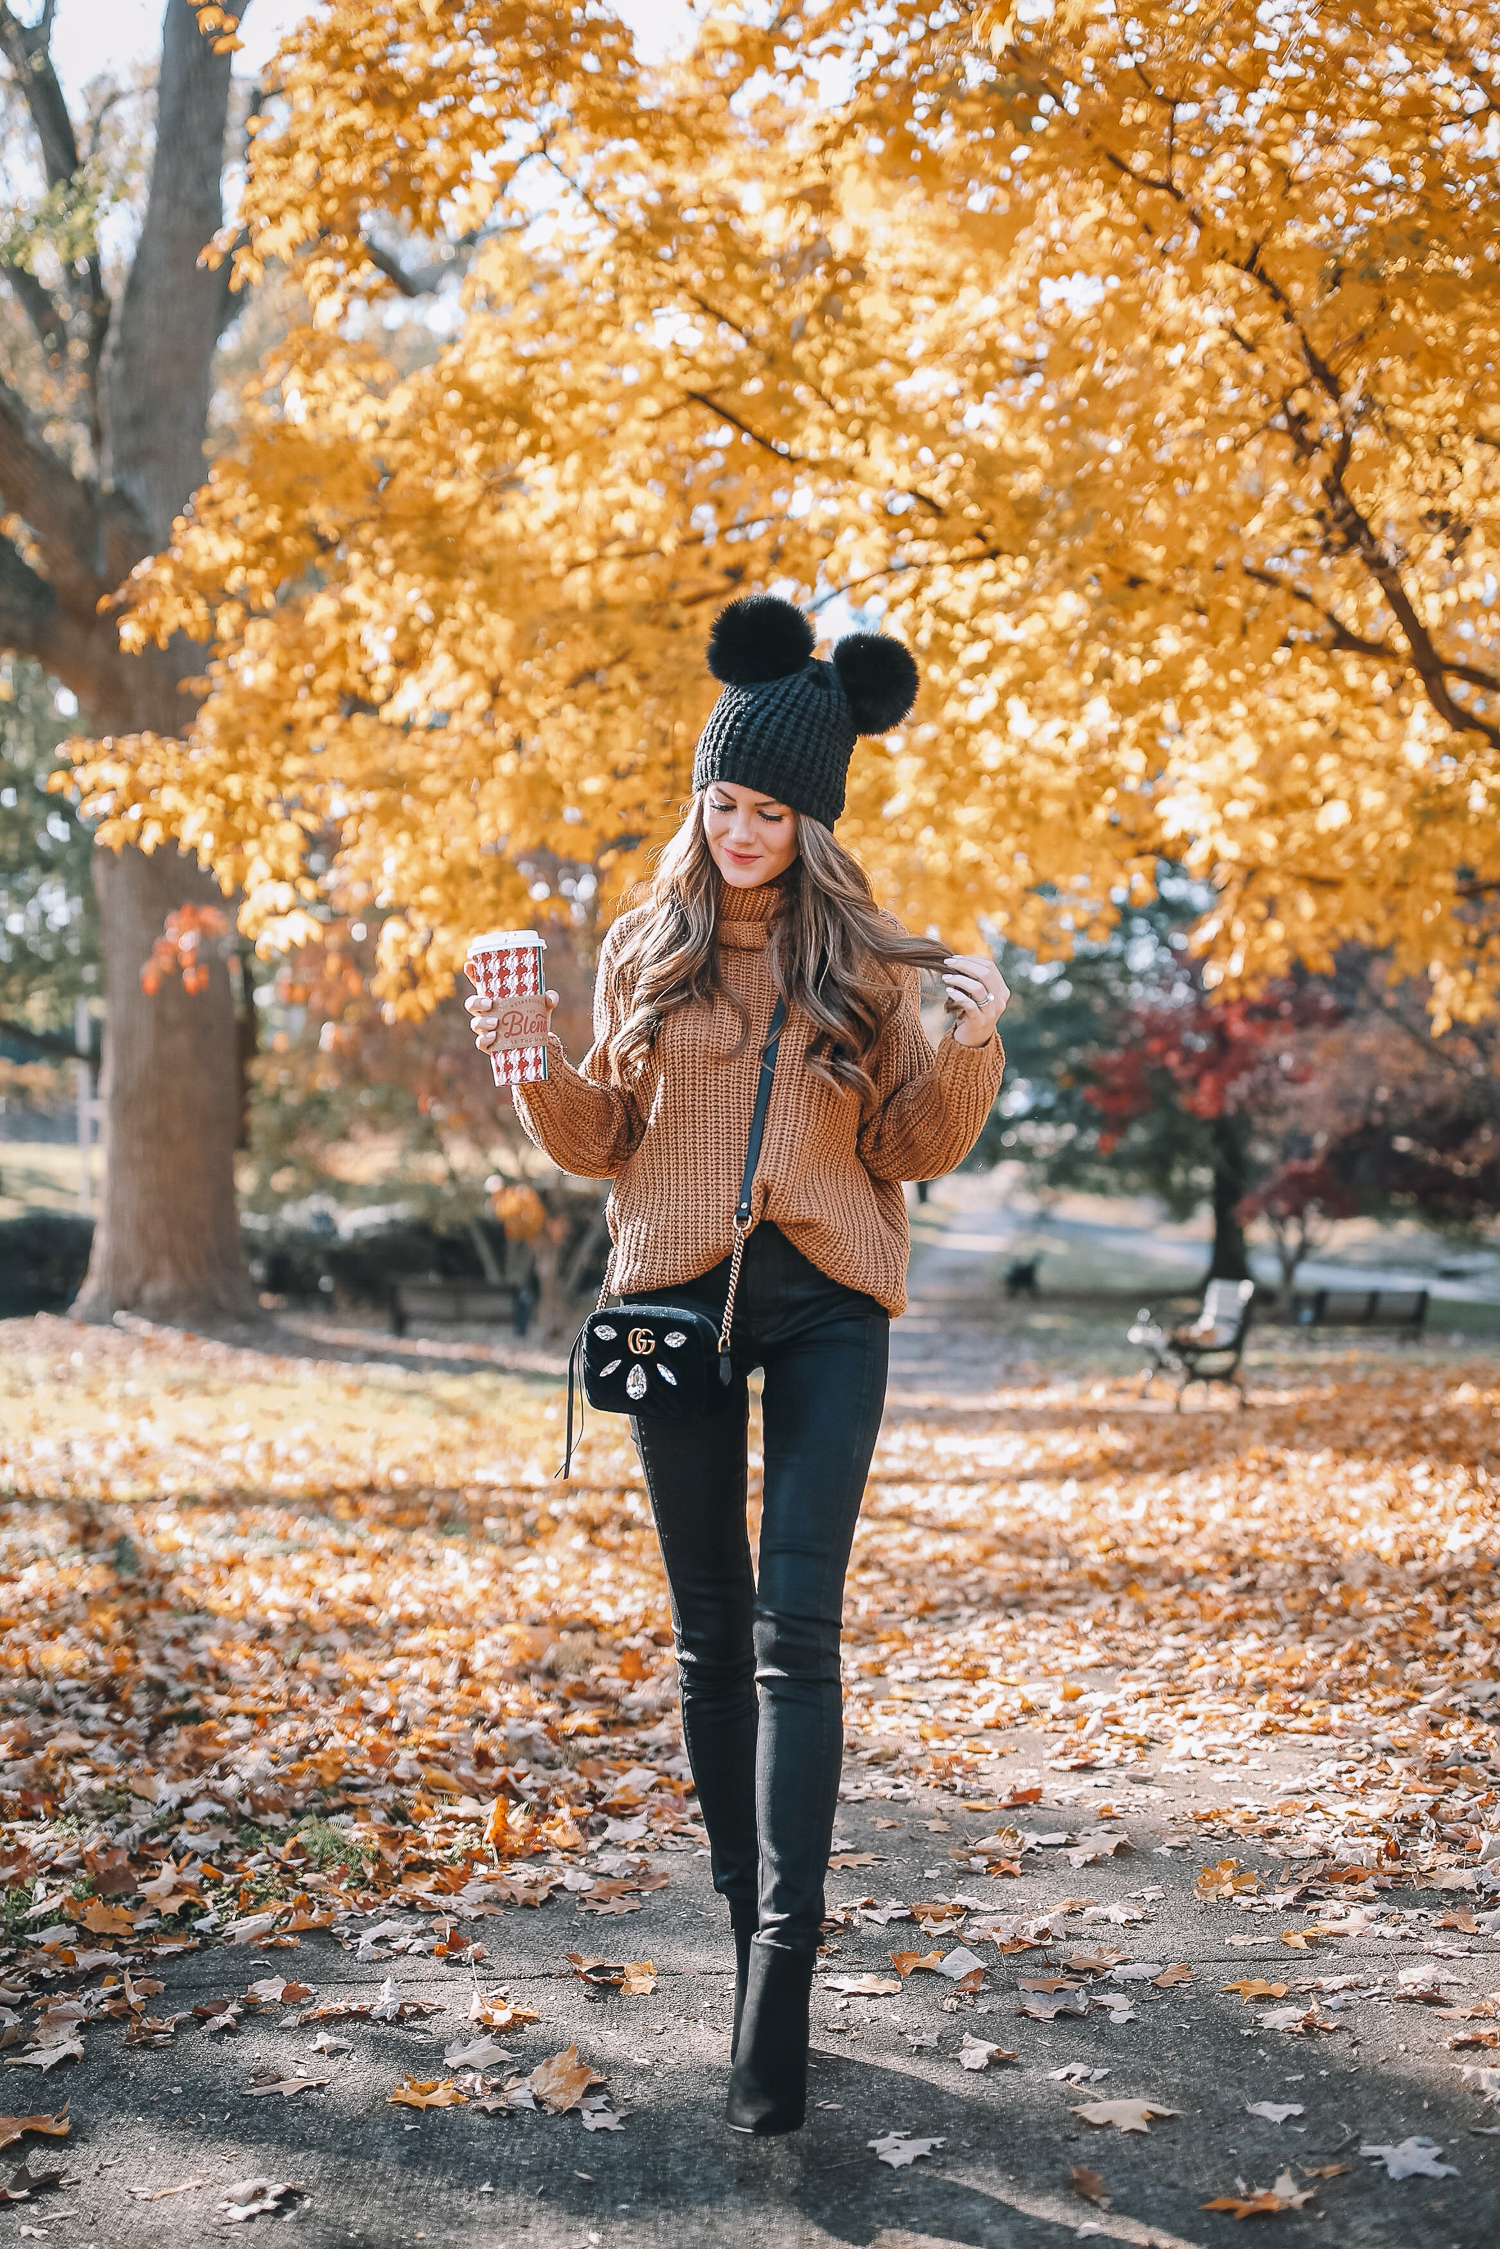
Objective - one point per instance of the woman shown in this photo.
(753, 899)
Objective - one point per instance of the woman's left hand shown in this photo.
(977, 992)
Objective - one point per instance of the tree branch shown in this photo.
(26, 48)
(1354, 644)
(392, 268)
(42, 309)
(29, 614)
(61, 510)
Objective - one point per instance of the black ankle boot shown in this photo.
(744, 1937)
(768, 2084)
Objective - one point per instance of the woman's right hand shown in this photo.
(485, 1015)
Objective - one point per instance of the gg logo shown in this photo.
(642, 1342)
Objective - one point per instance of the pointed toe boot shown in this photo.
(768, 2083)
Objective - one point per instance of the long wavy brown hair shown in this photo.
(834, 954)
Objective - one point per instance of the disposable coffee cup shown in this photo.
(505, 968)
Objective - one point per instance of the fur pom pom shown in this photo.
(879, 679)
(759, 638)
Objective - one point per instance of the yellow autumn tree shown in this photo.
(1135, 363)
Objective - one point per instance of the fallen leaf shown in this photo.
(1100, 1843)
(898, 2149)
(976, 2054)
(47, 2057)
(560, 2082)
(497, 2012)
(25, 2182)
(106, 1920)
(55, 2127)
(430, 2092)
(608, 1974)
(603, 2120)
(165, 2194)
(303, 2082)
(863, 1987)
(1126, 2116)
(1415, 2158)
(255, 2198)
(1177, 1973)
(479, 2054)
(1089, 2185)
(1270, 2202)
(152, 2030)
(1253, 1987)
(325, 2043)
(386, 2007)
(841, 1862)
(640, 1979)
(1275, 2112)
(1043, 2007)
(1298, 2022)
(1227, 1879)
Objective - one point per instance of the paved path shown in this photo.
(1005, 2141)
(379, 2175)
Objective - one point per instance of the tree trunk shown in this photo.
(552, 1300)
(1231, 1161)
(168, 1239)
(168, 1242)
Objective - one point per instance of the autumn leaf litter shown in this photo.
(389, 1772)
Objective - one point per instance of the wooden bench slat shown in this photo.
(452, 1301)
(1361, 1308)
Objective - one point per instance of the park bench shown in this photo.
(1404, 1309)
(1208, 1351)
(484, 1303)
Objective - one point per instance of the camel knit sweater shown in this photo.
(673, 1140)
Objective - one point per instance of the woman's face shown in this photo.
(751, 838)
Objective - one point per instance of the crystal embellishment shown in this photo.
(603, 1371)
(667, 1376)
(606, 1335)
(675, 1340)
(635, 1383)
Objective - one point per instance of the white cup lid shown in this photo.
(505, 941)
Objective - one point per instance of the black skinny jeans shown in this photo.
(762, 1696)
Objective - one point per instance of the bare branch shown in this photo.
(27, 48)
(62, 511)
(30, 619)
(391, 267)
(42, 309)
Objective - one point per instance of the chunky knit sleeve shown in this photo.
(586, 1125)
(933, 1103)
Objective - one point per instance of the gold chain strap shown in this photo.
(741, 1234)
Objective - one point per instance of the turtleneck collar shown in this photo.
(762, 904)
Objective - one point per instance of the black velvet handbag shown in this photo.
(670, 1362)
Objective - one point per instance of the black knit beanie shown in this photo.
(786, 725)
